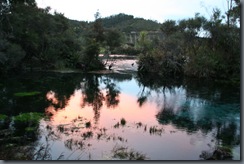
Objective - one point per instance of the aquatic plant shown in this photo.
(123, 122)
(86, 135)
(88, 124)
(60, 128)
(26, 125)
(28, 119)
(155, 130)
(116, 125)
(24, 94)
(122, 152)
(138, 125)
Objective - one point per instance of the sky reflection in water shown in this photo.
(163, 123)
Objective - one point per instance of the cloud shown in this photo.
(159, 10)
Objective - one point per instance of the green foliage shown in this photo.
(10, 56)
(93, 42)
(161, 63)
(128, 50)
(169, 27)
(127, 23)
(24, 94)
(32, 37)
(113, 39)
(90, 56)
(26, 124)
(196, 47)
(144, 44)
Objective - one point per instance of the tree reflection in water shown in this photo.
(202, 111)
(93, 95)
(189, 108)
(193, 112)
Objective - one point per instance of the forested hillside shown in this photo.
(128, 23)
(121, 22)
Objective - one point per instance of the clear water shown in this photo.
(109, 116)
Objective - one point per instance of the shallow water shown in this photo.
(109, 116)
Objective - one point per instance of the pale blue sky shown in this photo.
(159, 10)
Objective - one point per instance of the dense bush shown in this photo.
(197, 47)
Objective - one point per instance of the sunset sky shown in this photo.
(159, 10)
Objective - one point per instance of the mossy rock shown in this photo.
(26, 94)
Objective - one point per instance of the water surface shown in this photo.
(122, 115)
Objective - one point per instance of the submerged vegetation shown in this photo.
(218, 107)
(16, 138)
(23, 94)
(28, 118)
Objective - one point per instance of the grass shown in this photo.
(25, 94)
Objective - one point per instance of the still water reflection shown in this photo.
(127, 116)
(122, 116)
